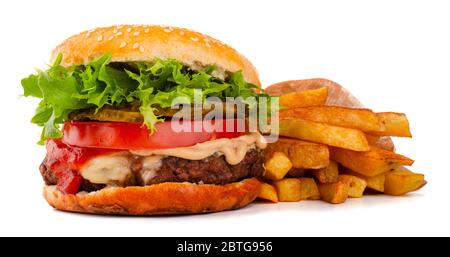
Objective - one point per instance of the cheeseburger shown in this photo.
(108, 123)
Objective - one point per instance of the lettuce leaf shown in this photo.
(99, 83)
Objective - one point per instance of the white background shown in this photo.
(393, 55)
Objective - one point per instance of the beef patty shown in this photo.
(212, 170)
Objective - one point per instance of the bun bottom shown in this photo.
(164, 198)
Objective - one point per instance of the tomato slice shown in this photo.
(135, 136)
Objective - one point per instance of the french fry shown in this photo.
(268, 192)
(372, 140)
(309, 189)
(336, 192)
(382, 142)
(313, 97)
(396, 124)
(356, 185)
(371, 163)
(296, 173)
(360, 119)
(376, 183)
(402, 181)
(303, 155)
(346, 138)
(328, 174)
(277, 166)
(288, 189)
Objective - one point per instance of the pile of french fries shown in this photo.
(334, 153)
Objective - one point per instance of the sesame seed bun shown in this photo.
(164, 198)
(129, 43)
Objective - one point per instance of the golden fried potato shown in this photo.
(346, 138)
(328, 174)
(277, 166)
(336, 192)
(296, 173)
(309, 189)
(356, 185)
(303, 155)
(376, 183)
(382, 142)
(396, 124)
(371, 163)
(268, 192)
(402, 181)
(360, 119)
(313, 97)
(288, 189)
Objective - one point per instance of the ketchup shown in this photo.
(65, 161)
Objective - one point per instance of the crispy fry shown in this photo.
(376, 183)
(337, 95)
(382, 142)
(396, 124)
(268, 192)
(296, 173)
(309, 189)
(336, 192)
(356, 185)
(371, 163)
(328, 174)
(346, 138)
(303, 155)
(277, 166)
(402, 181)
(288, 189)
(361, 119)
(313, 97)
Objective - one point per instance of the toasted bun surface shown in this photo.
(164, 198)
(145, 43)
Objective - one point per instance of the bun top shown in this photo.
(129, 43)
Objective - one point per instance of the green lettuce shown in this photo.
(100, 83)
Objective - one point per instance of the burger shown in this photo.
(107, 115)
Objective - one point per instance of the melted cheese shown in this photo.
(233, 149)
(106, 169)
(150, 166)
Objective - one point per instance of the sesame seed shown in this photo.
(208, 45)
(168, 29)
(136, 33)
(141, 49)
(128, 30)
(115, 31)
(146, 30)
(119, 26)
(100, 38)
(182, 33)
(136, 45)
(145, 26)
(123, 44)
(88, 34)
(119, 34)
(195, 39)
(110, 38)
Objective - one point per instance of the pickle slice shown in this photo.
(107, 114)
(130, 113)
